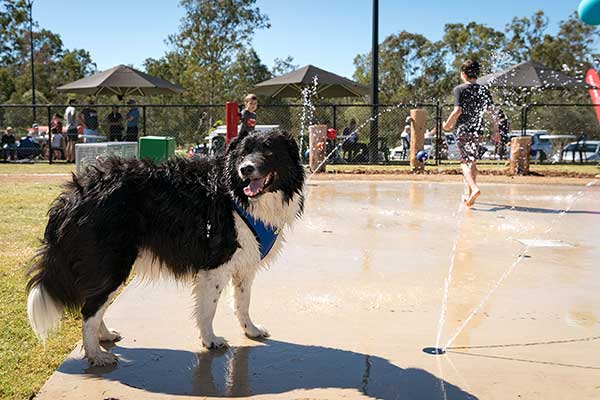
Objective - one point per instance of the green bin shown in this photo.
(157, 148)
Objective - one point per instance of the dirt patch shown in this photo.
(457, 171)
(33, 178)
(456, 176)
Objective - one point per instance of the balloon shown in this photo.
(589, 12)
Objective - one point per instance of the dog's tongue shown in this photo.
(255, 187)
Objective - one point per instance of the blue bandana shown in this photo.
(265, 235)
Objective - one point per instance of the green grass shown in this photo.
(24, 363)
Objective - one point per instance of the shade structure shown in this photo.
(292, 83)
(531, 74)
(121, 81)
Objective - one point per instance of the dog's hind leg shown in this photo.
(242, 290)
(93, 311)
(95, 330)
(208, 286)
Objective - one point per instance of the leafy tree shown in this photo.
(246, 71)
(473, 41)
(210, 35)
(53, 64)
(13, 17)
(282, 66)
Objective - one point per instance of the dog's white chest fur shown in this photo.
(269, 208)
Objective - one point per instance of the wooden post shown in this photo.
(418, 118)
(520, 147)
(318, 146)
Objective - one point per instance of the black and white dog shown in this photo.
(208, 221)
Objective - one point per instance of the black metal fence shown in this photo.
(192, 123)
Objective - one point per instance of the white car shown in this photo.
(216, 139)
(399, 153)
(453, 153)
(571, 152)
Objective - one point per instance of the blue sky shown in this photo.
(326, 33)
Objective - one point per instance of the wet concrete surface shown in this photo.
(356, 297)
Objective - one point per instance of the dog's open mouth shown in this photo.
(258, 186)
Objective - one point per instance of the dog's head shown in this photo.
(263, 163)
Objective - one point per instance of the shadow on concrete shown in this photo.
(505, 207)
(269, 368)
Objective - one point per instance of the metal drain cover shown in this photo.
(544, 243)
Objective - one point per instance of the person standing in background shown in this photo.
(88, 118)
(72, 138)
(132, 118)
(115, 125)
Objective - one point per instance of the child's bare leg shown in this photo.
(466, 170)
(467, 191)
(475, 192)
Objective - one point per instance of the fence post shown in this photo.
(144, 117)
(525, 115)
(232, 118)
(49, 136)
(374, 135)
(438, 132)
(334, 117)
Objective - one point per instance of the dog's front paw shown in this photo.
(110, 335)
(102, 359)
(214, 343)
(256, 331)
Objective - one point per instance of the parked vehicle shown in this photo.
(398, 153)
(486, 151)
(401, 152)
(453, 153)
(541, 149)
(574, 151)
(215, 141)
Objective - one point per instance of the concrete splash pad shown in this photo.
(355, 298)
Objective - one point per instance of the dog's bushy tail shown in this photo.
(43, 311)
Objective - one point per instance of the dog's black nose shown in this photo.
(247, 169)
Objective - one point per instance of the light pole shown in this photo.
(373, 153)
(30, 5)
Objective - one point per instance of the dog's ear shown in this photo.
(292, 145)
(236, 140)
